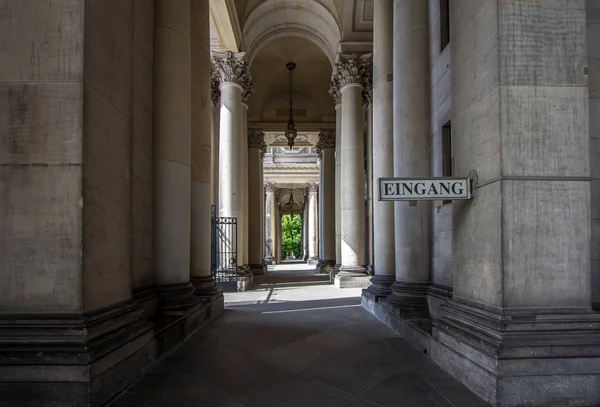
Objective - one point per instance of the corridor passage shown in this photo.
(295, 340)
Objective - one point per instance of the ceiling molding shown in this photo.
(277, 18)
(224, 20)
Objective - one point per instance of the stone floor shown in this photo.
(295, 340)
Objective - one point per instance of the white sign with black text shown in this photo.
(424, 189)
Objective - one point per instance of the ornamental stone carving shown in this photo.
(352, 69)
(312, 188)
(334, 91)
(230, 67)
(326, 140)
(256, 139)
(215, 92)
(270, 187)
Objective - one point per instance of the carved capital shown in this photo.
(351, 69)
(326, 139)
(230, 67)
(312, 188)
(270, 187)
(256, 138)
(215, 92)
(334, 91)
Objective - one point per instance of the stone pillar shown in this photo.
(243, 228)
(520, 319)
(305, 226)
(172, 157)
(256, 144)
(263, 210)
(593, 32)
(320, 209)
(349, 76)
(270, 222)
(68, 326)
(327, 198)
(313, 223)
(368, 173)
(412, 155)
(214, 145)
(202, 138)
(337, 98)
(233, 75)
(278, 229)
(384, 263)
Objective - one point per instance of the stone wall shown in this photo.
(441, 247)
(593, 48)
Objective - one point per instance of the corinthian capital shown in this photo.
(230, 67)
(270, 186)
(215, 92)
(351, 69)
(326, 139)
(312, 188)
(256, 139)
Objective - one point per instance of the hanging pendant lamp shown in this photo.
(290, 131)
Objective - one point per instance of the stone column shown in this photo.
(256, 144)
(520, 319)
(349, 76)
(214, 145)
(305, 226)
(270, 222)
(384, 263)
(412, 155)
(368, 172)
(243, 228)
(233, 75)
(202, 138)
(327, 198)
(278, 229)
(320, 209)
(172, 157)
(337, 99)
(313, 223)
(263, 210)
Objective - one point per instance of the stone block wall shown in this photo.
(441, 245)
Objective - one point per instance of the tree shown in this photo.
(291, 235)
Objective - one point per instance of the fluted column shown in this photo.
(270, 222)
(233, 77)
(200, 271)
(412, 155)
(215, 98)
(256, 144)
(172, 157)
(384, 256)
(327, 198)
(313, 223)
(349, 76)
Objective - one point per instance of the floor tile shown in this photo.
(407, 389)
(360, 403)
(150, 383)
(131, 400)
(296, 356)
(189, 391)
(297, 392)
(460, 396)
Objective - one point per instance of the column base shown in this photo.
(325, 266)
(351, 277)
(530, 357)
(258, 269)
(312, 261)
(381, 285)
(269, 261)
(409, 299)
(416, 331)
(73, 359)
(204, 286)
(176, 297)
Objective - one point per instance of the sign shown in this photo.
(424, 189)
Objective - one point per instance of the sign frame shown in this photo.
(468, 194)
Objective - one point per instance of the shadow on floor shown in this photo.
(317, 351)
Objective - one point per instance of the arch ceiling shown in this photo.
(270, 100)
(284, 198)
(309, 19)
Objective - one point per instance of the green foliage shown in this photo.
(291, 236)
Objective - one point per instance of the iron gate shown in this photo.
(224, 252)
